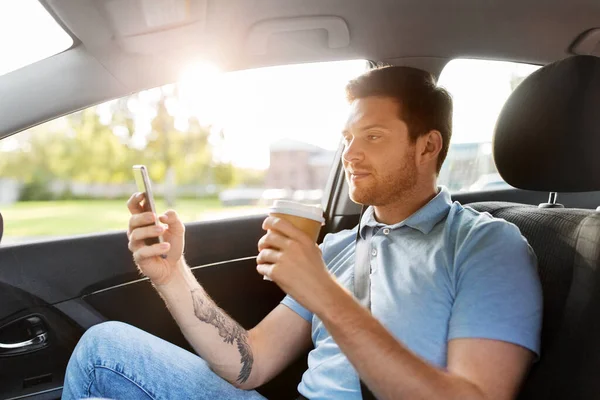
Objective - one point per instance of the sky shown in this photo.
(255, 108)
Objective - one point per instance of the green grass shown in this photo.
(45, 219)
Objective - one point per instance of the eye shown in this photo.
(373, 137)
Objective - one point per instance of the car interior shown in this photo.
(545, 146)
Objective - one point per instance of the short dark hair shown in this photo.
(422, 104)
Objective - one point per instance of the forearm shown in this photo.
(217, 338)
(389, 369)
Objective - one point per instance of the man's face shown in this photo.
(379, 157)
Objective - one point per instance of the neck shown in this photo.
(405, 206)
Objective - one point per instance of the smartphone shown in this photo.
(142, 180)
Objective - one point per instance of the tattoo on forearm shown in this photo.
(229, 330)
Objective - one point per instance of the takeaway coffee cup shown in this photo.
(308, 219)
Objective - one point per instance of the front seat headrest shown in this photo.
(547, 137)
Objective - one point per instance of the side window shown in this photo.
(217, 145)
(479, 89)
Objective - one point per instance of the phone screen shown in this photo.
(142, 181)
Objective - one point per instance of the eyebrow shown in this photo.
(371, 126)
(367, 127)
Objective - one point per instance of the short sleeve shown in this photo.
(498, 294)
(297, 308)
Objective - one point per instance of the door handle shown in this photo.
(39, 339)
(25, 335)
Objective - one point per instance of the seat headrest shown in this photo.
(547, 137)
(1, 227)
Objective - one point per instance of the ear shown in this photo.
(429, 146)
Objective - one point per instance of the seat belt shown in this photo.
(362, 269)
(362, 281)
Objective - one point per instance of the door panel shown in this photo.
(43, 369)
(60, 270)
(235, 286)
(75, 283)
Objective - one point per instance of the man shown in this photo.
(456, 302)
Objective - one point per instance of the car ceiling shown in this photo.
(124, 46)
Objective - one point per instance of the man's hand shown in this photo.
(293, 261)
(148, 258)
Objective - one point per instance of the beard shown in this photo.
(385, 188)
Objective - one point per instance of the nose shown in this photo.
(352, 153)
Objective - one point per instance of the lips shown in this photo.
(354, 173)
(358, 175)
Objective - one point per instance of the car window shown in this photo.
(217, 145)
(479, 89)
(29, 34)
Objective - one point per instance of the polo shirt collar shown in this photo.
(423, 220)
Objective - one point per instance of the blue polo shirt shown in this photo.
(445, 272)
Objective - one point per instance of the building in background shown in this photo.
(296, 165)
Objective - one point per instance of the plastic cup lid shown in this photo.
(298, 209)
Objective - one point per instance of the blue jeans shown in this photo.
(118, 361)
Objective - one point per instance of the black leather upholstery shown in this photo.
(544, 140)
(548, 133)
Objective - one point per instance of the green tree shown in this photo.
(83, 147)
(97, 155)
(174, 156)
